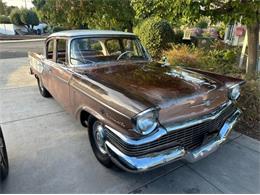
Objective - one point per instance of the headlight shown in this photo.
(234, 92)
(146, 121)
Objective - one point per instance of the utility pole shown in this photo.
(25, 3)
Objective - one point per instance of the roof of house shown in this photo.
(74, 33)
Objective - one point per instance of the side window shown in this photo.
(113, 46)
(61, 51)
(50, 49)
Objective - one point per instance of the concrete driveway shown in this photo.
(49, 152)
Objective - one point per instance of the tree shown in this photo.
(112, 14)
(4, 20)
(2, 8)
(15, 17)
(25, 17)
(155, 34)
(246, 11)
(39, 3)
(29, 18)
(157, 8)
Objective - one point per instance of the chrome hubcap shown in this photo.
(99, 136)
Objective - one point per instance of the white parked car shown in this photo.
(40, 28)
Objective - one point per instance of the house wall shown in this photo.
(9, 29)
(231, 38)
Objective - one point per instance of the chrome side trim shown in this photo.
(156, 135)
(61, 79)
(204, 118)
(154, 160)
(146, 111)
(143, 163)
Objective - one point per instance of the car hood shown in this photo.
(178, 92)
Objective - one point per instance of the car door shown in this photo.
(48, 62)
(61, 74)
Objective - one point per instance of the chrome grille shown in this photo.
(190, 137)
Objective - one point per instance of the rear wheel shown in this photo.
(4, 166)
(97, 140)
(43, 91)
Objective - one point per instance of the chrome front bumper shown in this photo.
(157, 159)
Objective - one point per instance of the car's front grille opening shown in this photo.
(189, 138)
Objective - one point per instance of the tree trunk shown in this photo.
(253, 42)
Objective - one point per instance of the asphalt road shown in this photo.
(18, 48)
(49, 151)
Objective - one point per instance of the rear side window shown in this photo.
(61, 51)
(50, 50)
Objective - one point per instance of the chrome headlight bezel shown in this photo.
(234, 92)
(150, 117)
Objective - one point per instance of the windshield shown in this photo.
(95, 50)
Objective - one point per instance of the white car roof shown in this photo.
(75, 33)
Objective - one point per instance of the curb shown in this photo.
(21, 41)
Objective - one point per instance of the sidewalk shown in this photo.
(21, 37)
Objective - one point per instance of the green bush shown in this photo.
(155, 34)
(5, 20)
(45, 29)
(178, 36)
(223, 61)
(29, 18)
(221, 29)
(202, 23)
(15, 17)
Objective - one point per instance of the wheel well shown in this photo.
(84, 117)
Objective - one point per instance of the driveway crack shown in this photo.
(37, 116)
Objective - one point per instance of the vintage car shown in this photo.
(140, 114)
(4, 167)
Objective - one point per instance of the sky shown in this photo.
(19, 3)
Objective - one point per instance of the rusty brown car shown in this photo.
(140, 114)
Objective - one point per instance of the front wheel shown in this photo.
(97, 140)
(4, 166)
(43, 91)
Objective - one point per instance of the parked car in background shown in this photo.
(39, 29)
(4, 166)
(140, 114)
(12, 29)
